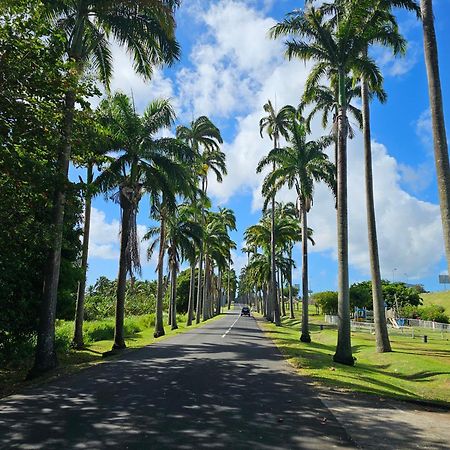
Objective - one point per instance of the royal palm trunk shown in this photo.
(381, 331)
(273, 277)
(291, 300)
(343, 353)
(206, 293)
(159, 324)
(305, 336)
(79, 315)
(127, 211)
(437, 116)
(191, 296)
(173, 297)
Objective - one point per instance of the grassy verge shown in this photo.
(441, 298)
(413, 371)
(98, 338)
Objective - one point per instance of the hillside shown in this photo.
(438, 298)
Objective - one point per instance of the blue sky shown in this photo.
(228, 70)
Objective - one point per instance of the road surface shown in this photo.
(221, 386)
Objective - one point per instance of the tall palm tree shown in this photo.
(146, 29)
(299, 166)
(378, 25)
(144, 164)
(205, 139)
(275, 124)
(437, 117)
(183, 236)
(337, 48)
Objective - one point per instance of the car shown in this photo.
(245, 311)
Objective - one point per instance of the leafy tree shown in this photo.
(30, 106)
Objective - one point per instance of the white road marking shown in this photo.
(229, 329)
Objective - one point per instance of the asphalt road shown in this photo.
(221, 386)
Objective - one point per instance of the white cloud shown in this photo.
(104, 242)
(424, 129)
(397, 65)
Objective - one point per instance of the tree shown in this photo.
(275, 124)
(145, 164)
(203, 134)
(437, 116)
(337, 47)
(183, 235)
(299, 166)
(147, 31)
(93, 137)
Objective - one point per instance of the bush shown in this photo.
(431, 312)
(328, 301)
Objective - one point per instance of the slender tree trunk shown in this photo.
(198, 311)
(228, 285)
(119, 338)
(219, 291)
(291, 300)
(273, 279)
(283, 306)
(78, 342)
(191, 296)
(159, 322)
(173, 298)
(206, 293)
(437, 115)
(381, 331)
(305, 336)
(343, 353)
(45, 357)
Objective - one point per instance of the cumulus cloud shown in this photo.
(104, 242)
(409, 229)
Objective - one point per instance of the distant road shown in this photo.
(221, 386)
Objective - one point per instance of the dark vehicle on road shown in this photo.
(245, 311)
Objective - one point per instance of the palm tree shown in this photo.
(146, 29)
(299, 166)
(437, 117)
(337, 48)
(183, 236)
(203, 134)
(144, 164)
(289, 210)
(94, 137)
(379, 26)
(275, 124)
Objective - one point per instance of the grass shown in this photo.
(437, 298)
(98, 338)
(413, 371)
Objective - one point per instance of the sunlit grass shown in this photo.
(438, 298)
(414, 370)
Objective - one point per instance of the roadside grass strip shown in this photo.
(414, 371)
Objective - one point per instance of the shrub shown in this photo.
(430, 312)
(328, 301)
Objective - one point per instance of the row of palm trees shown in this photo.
(128, 161)
(337, 36)
(169, 172)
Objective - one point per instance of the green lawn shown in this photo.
(12, 378)
(437, 298)
(414, 370)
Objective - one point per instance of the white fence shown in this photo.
(437, 326)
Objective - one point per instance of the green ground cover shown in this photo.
(438, 298)
(99, 336)
(413, 371)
